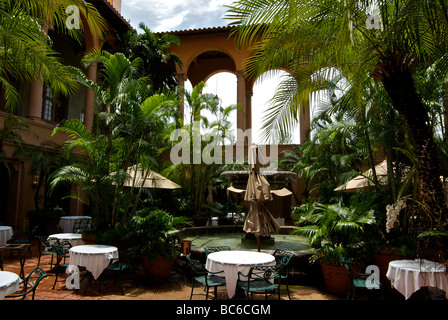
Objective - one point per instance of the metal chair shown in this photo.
(24, 239)
(360, 280)
(283, 257)
(207, 278)
(45, 248)
(260, 280)
(30, 284)
(81, 224)
(209, 250)
(125, 262)
(62, 248)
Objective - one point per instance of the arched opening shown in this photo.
(223, 85)
(263, 91)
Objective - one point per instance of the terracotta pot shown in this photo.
(89, 238)
(337, 280)
(157, 270)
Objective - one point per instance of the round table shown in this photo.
(75, 239)
(95, 257)
(408, 276)
(9, 283)
(67, 222)
(5, 234)
(232, 262)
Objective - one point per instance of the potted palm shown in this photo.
(334, 231)
(157, 246)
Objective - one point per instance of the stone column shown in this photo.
(241, 100)
(89, 100)
(181, 78)
(35, 101)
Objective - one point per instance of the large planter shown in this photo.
(337, 280)
(157, 270)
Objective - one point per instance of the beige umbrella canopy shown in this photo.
(259, 220)
(151, 180)
(366, 179)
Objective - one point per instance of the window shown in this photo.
(53, 109)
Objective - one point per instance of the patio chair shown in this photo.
(260, 280)
(124, 263)
(209, 250)
(62, 249)
(360, 280)
(283, 257)
(80, 225)
(24, 238)
(30, 284)
(45, 248)
(207, 278)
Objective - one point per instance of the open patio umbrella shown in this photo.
(259, 220)
(366, 179)
(152, 180)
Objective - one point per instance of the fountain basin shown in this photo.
(301, 271)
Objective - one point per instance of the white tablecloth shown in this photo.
(67, 222)
(5, 234)
(75, 239)
(408, 276)
(95, 257)
(9, 283)
(233, 261)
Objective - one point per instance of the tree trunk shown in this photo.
(430, 209)
(401, 89)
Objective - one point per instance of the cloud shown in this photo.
(172, 15)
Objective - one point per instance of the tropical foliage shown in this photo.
(26, 50)
(374, 47)
(154, 51)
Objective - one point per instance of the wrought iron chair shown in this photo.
(209, 250)
(283, 257)
(45, 248)
(360, 280)
(260, 280)
(30, 284)
(62, 249)
(25, 239)
(81, 224)
(125, 262)
(208, 279)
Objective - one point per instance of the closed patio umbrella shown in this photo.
(259, 220)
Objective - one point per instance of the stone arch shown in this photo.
(200, 43)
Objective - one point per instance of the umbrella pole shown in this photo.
(258, 242)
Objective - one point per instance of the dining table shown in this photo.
(408, 276)
(75, 239)
(66, 223)
(6, 233)
(9, 283)
(234, 261)
(94, 257)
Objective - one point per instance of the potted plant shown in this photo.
(157, 246)
(334, 231)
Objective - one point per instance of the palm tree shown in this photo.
(26, 52)
(154, 51)
(315, 39)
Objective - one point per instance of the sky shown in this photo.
(172, 15)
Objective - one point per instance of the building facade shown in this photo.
(20, 192)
